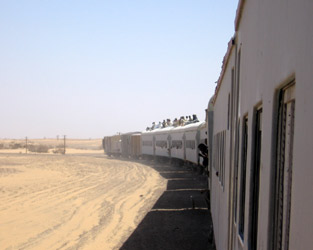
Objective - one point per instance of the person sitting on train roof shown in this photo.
(164, 124)
(175, 122)
(159, 125)
(179, 122)
(195, 118)
(182, 121)
(153, 126)
(168, 122)
(188, 120)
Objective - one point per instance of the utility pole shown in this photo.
(64, 143)
(26, 144)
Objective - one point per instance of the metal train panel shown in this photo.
(112, 144)
(191, 144)
(162, 142)
(192, 140)
(147, 143)
(115, 143)
(135, 142)
(178, 144)
(126, 144)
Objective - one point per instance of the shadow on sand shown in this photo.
(180, 219)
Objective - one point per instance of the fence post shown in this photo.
(64, 143)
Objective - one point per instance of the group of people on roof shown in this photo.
(182, 121)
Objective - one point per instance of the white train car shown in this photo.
(195, 134)
(175, 143)
(178, 144)
(162, 139)
(262, 180)
(147, 143)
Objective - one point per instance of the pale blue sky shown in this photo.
(88, 69)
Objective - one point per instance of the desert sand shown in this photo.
(73, 201)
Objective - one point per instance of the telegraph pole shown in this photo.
(64, 143)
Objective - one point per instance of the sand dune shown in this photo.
(72, 202)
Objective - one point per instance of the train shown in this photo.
(258, 130)
(176, 143)
(261, 174)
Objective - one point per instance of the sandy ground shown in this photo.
(73, 201)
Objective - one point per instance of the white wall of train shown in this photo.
(262, 174)
(176, 144)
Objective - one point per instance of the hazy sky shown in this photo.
(87, 69)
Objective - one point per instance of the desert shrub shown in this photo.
(58, 151)
(38, 148)
(1, 146)
(14, 145)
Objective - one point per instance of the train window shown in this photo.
(242, 195)
(161, 144)
(283, 169)
(238, 77)
(214, 153)
(228, 112)
(219, 156)
(255, 181)
(147, 143)
(236, 156)
(177, 144)
(223, 154)
(190, 144)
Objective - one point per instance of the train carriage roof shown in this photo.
(191, 126)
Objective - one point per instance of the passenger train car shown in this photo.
(177, 144)
(262, 174)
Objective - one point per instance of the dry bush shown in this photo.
(39, 148)
(58, 150)
(14, 145)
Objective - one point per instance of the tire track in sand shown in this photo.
(73, 202)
